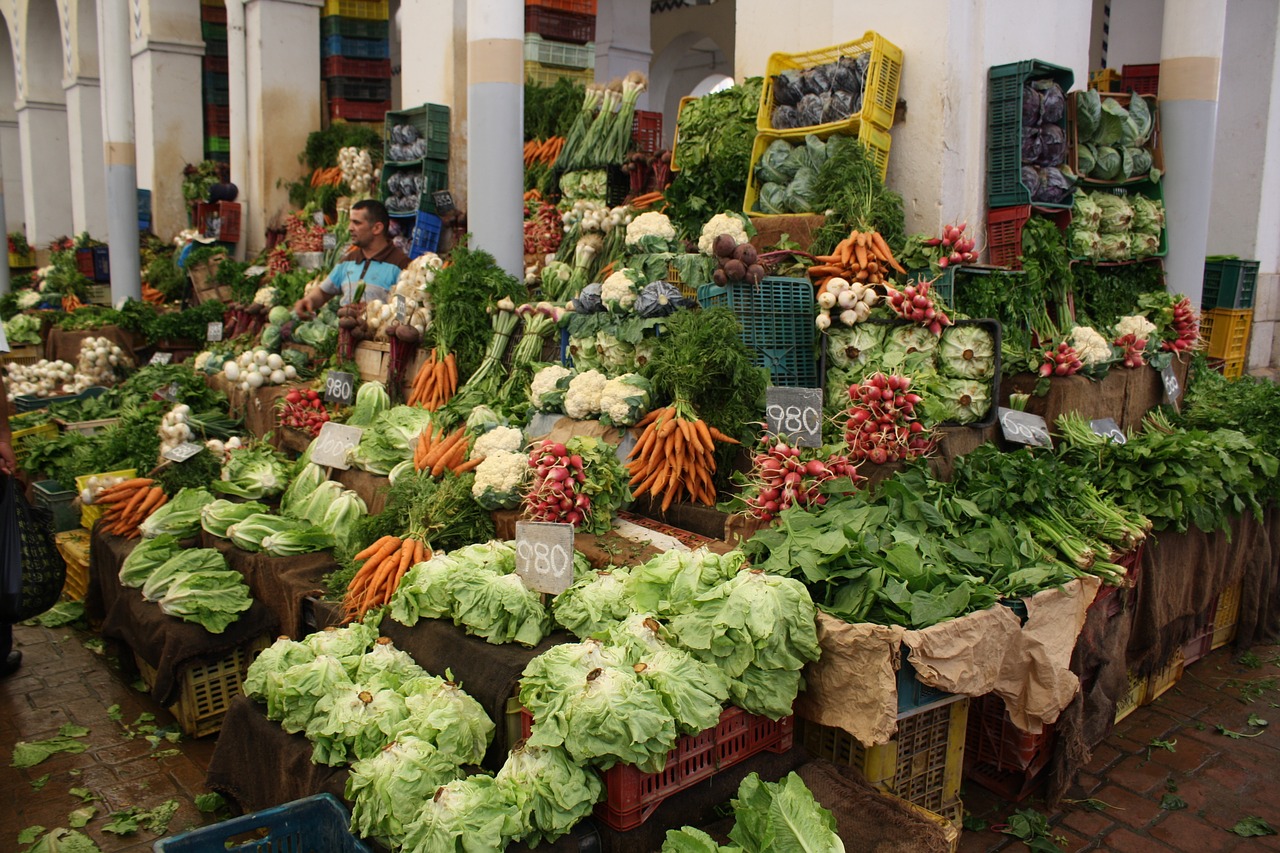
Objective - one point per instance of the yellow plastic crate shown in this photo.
(546, 75)
(21, 437)
(73, 545)
(22, 354)
(206, 691)
(1226, 618)
(877, 142)
(1233, 368)
(366, 10)
(675, 137)
(1133, 697)
(1165, 677)
(1225, 332)
(1105, 80)
(922, 764)
(90, 513)
(880, 92)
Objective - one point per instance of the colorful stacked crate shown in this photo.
(215, 87)
(355, 57)
(416, 167)
(559, 41)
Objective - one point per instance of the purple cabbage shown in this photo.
(784, 117)
(1053, 145)
(1032, 146)
(1031, 106)
(786, 89)
(1053, 104)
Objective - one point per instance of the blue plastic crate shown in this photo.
(101, 264)
(426, 234)
(355, 48)
(317, 823)
(777, 325)
(913, 694)
(144, 210)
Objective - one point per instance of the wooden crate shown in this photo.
(373, 359)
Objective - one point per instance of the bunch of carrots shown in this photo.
(385, 562)
(675, 456)
(647, 200)
(437, 452)
(331, 177)
(150, 294)
(542, 151)
(71, 302)
(128, 505)
(862, 256)
(436, 382)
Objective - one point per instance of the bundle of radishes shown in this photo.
(304, 410)
(1134, 349)
(556, 493)
(914, 303)
(881, 425)
(738, 262)
(302, 236)
(1187, 326)
(961, 247)
(783, 475)
(1062, 360)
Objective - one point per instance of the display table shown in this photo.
(65, 346)
(1123, 394)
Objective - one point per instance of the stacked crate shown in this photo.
(355, 59)
(1226, 305)
(215, 87)
(416, 167)
(559, 41)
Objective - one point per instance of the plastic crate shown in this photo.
(1153, 144)
(646, 130)
(86, 427)
(942, 285)
(1001, 757)
(358, 110)
(777, 325)
(1004, 231)
(84, 262)
(341, 66)
(216, 88)
(73, 546)
(1233, 368)
(59, 502)
(1165, 677)
(557, 24)
(354, 48)
(876, 141)
(1133, 696)
(1112, 598)
(217, 121)
(1229, 283)
(558, 53)
(435, 175)
(20, 437)
(219, 220)
(22, 260)
(353, 28)
(426, 234)
(1152, 190)
(213, 14)
(101, 260)
(214, 64)
(22, 354)
(359, 89)
(316, 823)
(210, 31)
(206, 690)
(1225, 332)
(544, 75)
(144, 210)
(1004, 128)
(365, 10)
(923, 764)
(630, 797)
(913, 694)
(89, 513)
(1143, 79)
(1226, 616)
(432, 123)
(216, 48)
(1105, 80)
(879, 94)
(29, 403)
(582, 7)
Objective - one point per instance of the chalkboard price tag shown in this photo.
(339, 388)
(1024, 428)
(795, 413)
(183, 451)
(214, 332)
(1108, 428)
(161, 358)
(1172, 388)
(444, 202)
(400, 308)
(334, 443)
(544, 555)
(168, 393)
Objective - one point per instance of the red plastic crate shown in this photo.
(582, 7)
(213, 14)
(1000, 756)
(84, 262)
(217, 120)
(559, 25)
(646, 130)
(341, 66)
(1004, 231)
(220, 219)
(631, 796)
(358, 110)
(1143, 79)
(215, 64)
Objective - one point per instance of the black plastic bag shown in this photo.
(32, 572)
(784, 117)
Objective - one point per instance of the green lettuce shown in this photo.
(391, 439)
(470, 815)
(388, 789)
(347, 644)
(217, 517)
(298, 540)
(667, 583)
(180, 517)
(307, 480)
(145, 558)
(440, 711)
(425, 591)
(386, 667)
(777, 816)
(353, 720)
(550, 791)
(500, 608)
(691, 840)
(213, 600)
(264, 674)
(253, 474)
(371, 401)
(256, 529)
(182, 563)
(300, 687)
(342, 520)
(593, 604)
(313, 507)
(693, 692)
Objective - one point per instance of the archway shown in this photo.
(42, 124)
(679, 68)
(10, 147)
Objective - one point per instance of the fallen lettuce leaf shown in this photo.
(81, 816)
(1252, 827)
(62, 613)
(37, 784)
(63, 840)
(210, 803)
(71, 730)
(30, 834)
(84, 794)
(30, 754)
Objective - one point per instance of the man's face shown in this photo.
(362, 228)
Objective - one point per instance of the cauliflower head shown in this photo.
(1137, 325)
(624, 400)
(650, 232)
(583, 398)
(547, 390)
(619, 291)
(721, 223)
(499, 479)
(265, 296)
(498, 439)
(1092, 347)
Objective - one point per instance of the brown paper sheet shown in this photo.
(964, 655)
(853, 686)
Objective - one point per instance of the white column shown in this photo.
(46, 182)
(11, 174)
(282, 57)
(5, 286)
(495, 113)
(119, 157)
(623, 42)
(88, 175)
(238, 100)
(1190, 60)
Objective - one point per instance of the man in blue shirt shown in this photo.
(373, 260)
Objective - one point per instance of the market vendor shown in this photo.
(373, 260)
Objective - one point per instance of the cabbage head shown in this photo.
(855, 346)
(550, 791)
(384, 667)
(967, 352)
(593, 604)
(1117, 213)
(441, 712)
(353, 720)
(387, 790)
(471, 815)
(147, 556)
(500, 608)
(263, 677)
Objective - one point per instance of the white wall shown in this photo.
(1136, 27)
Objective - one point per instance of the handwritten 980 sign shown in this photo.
(795, 413)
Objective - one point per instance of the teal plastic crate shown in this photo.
(1004, 129)
(943, 284)
(777, 325)
(435, 177)
(316, 823)
(432, 124)
(29, 403)
(1228, 283)
(59, 502)
(353, 28)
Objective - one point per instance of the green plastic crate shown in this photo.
(436, 178)
(353, 28)
(777, 325)
(1004, 129)
(58, 502)
(432, 122)
(1228, 283)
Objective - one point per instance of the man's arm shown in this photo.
(8, 463)
(313, 301)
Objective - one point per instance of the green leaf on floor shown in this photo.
(1167, 745)
(156, 820)
(37, 784)
(30, 754)
(95, 645)
(1172, 802)
(1255, 720)
(65, 841)
(81, 816)
(85, 795)
(75, 772)
(70, 730)
(113, 713)
(30, 834)
(1250, 660)
(144, 717)
(166, 753)
(1253, 827)
(62, 613)
(1223, 730)
(210, 803)
(123, 822)
(140, 686)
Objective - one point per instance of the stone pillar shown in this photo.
(433, 43)
(119, 151)
(46, 180)
(168, 122)
(1190, 66)
(88, 179)
(282, 52)
(11, 174)
(623, 42)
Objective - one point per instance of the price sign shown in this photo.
(1172, 389)
(214, 332)
(183, 451)
(400, 308)
(334, 443)
(544, 555)
(1024, 428)
(169, 393)
(795, 413)
(329, 242)
(161, 358)
(444, 202)
(1108, 428)
(339, 388)
(255, 270)
(317, 218)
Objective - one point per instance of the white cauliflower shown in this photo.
(624, 400)
(546, 392)
(650, 232)
(1135, 324)
(498, 480)
(619, 290)
(498, 439)
(28, 299)
(265, 296)
(202, 359)
(1092, 347)
(721, 223)
(583, 399)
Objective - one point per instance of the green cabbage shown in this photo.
(263, 677)
(315, 506)
(388, 789)
(1108, 163)
(218, 516)
(292, 696)
(855, 346)
(347, 644)
(180, 517)
(372, 400)
(271, 338)
(253, 474)
(279, 315)
(958, 400)
(594, 603)
(425, 591)
(500, 608)
(1088, 113)
(391, 439)
(183, 562)
(442, 712)
(1148, 216)
(470, 815)
(306, 481)
(145, 558)
(297, 540)
(211, 599)
(550, 792)
(967, 352)
(353, 720)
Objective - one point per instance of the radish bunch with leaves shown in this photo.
(881, 423)
(783, 475)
